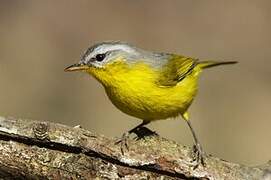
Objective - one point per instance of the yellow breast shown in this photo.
(135, 91)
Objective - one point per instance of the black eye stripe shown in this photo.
(100, 57)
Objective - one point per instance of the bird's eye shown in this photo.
(100, 57)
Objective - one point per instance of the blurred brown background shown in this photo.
(231, 114)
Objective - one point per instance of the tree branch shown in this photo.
(43, 150)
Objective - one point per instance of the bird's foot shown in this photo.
(199, 156)
(123, 142)
(143, 132)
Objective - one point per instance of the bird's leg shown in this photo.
(123, 140)
(198, 148)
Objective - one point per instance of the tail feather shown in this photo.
(208, 64)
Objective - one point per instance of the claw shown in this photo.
(139, 130)
(123, 142)
(198, 156)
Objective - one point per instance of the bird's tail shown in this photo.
(208, 64)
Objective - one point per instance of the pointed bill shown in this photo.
(76, 67)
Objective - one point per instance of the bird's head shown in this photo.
(100, 55)
(106, 59)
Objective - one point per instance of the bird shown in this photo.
(147, 85)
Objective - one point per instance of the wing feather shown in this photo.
(176, 69)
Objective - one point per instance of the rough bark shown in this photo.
(43, 150)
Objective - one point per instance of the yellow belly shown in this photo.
(152, 105)
(138, 96)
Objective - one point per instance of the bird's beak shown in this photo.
(76, 67)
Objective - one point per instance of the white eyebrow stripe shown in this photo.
(106, 48)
